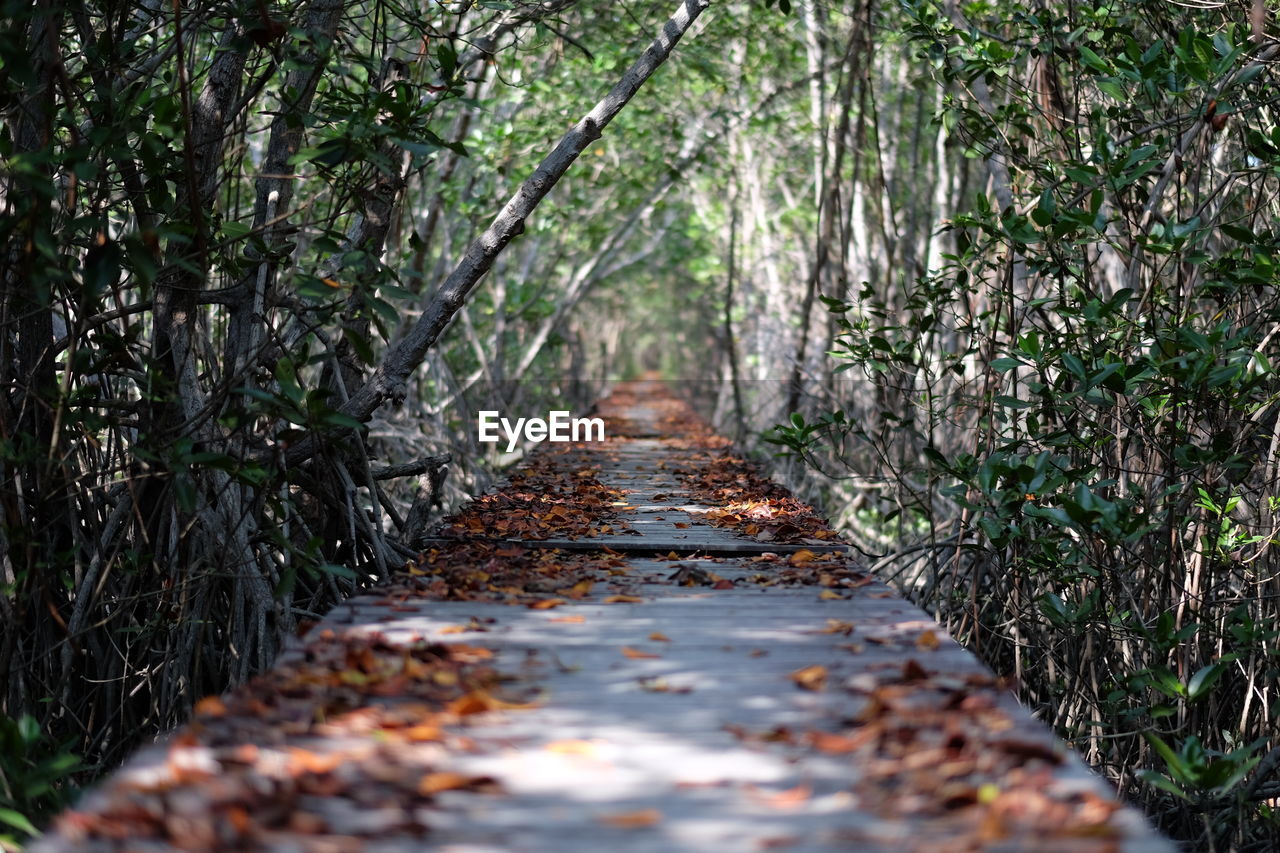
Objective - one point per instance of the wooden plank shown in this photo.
(777, 703)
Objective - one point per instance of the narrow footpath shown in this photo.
(635, 645)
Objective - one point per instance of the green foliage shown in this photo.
(1083, 389)
(35, 774)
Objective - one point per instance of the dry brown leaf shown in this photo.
(576, 618)
(829, 594)
(547, 603)
(632, 820)
(579, 590)
(434, 783)
(799, 558)
(830, 743)
(810, 677)
(635, 654)
(623, 599)
(422, 733)
(835, 626)
(659, 637)
(913, 671)
(480, 701)
(305, 761)
(928, 641)
(211, 706)
(788, 799)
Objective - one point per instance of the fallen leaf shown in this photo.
(454, 629)
(623, 599)
(913, 671)
(211, 706)
(788, 799)
(480, 701)
(547, 603)
(928, 641)
(635, 654)
(632, 820)
(829, 594)
(723, 584)
(830, 743)
(314, 763)
(810, 677)
(434, 783)
(576, 618)
(799, 558)
(659, 637)
(681, 525)
(835, 626)
(469, 654)
(238, 818)
(422, 733)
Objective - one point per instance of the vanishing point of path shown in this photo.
(635, 645)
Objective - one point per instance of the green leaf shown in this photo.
(1094, 61)
(18, 821)
(1164, 783)
(1204, 679)
(1172, 760)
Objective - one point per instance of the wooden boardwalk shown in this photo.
(636, 645)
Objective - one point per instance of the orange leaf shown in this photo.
(810, 677)
(787, 799)
(469, 654)
(454, 629)
(238, 818)
(831, 743)
(211, 706)
(632, 820)
(479, 701)
(829, 594)
(659, 637)
(305, 761)
(445, 780)
(422, 732)
(576, 618)
(799, 558)
(629, 652)
(835, 626)
(928, 641)
(681, 525)
(547, 603)
(623, 599)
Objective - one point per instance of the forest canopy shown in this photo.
(997, 280)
